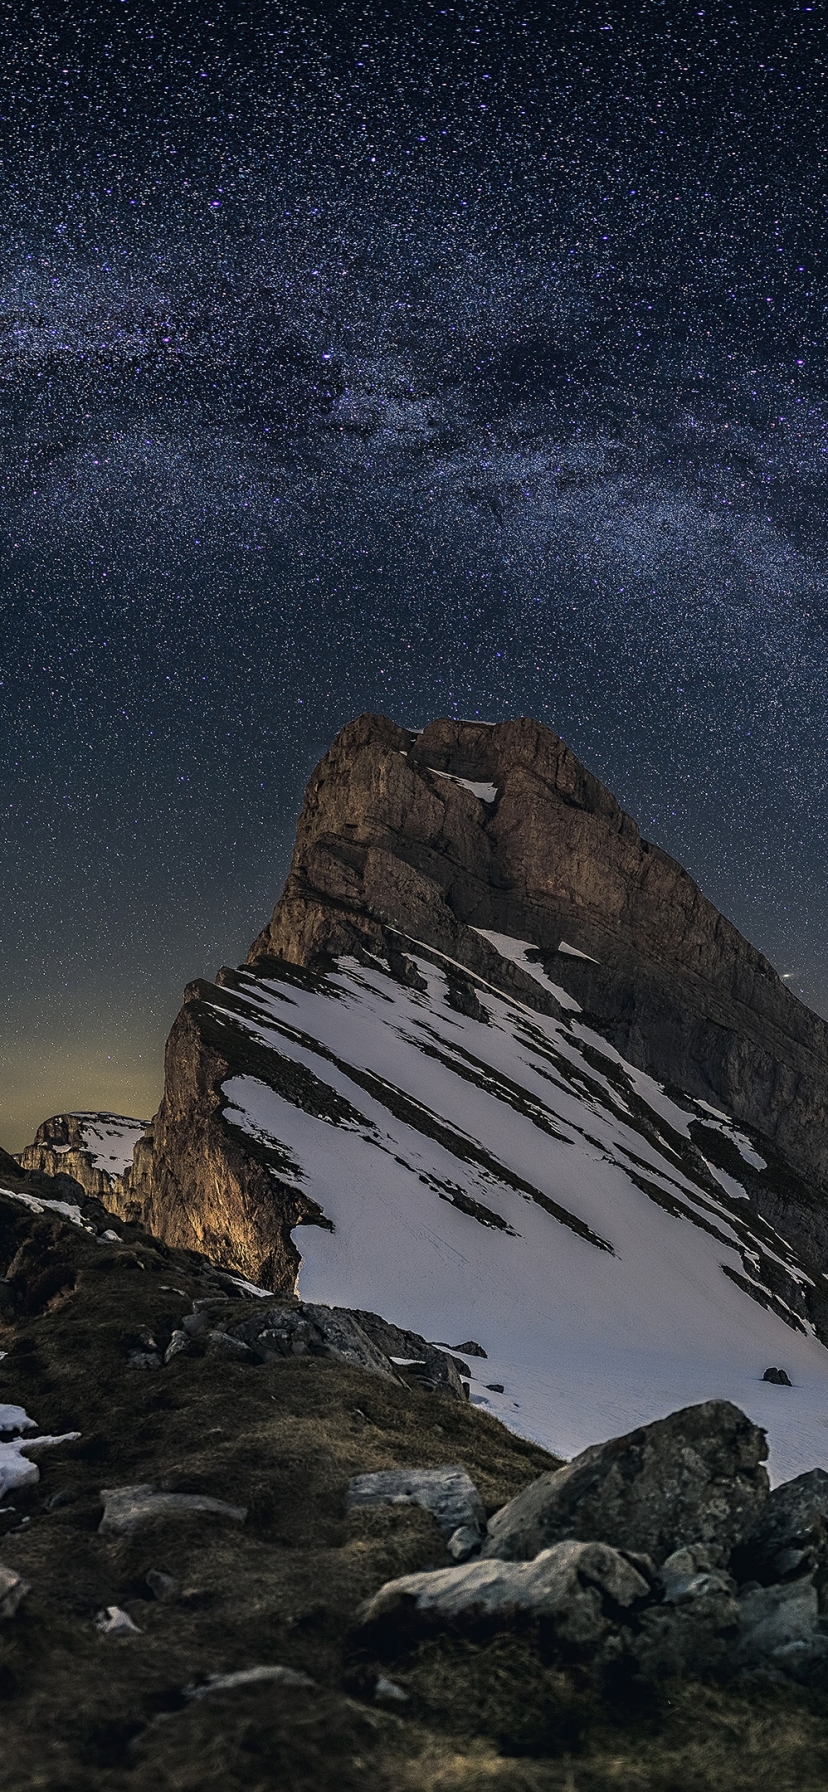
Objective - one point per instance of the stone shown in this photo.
(694, 1477)
(112, 1621)
(448, 1492)
(780, 1630)
(790, 1536)
(178, 1344)
(272, 1676)
(694, 1628)
(13, 1590)
(779, 1377)
(144, 1359)
(347, 1341)
(577, 1590)
(221, 1344)
(463, 1542)
(387, 1692)
(470, 1348)
(127, 1508)
(161, 1585)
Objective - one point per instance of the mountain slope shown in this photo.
(400, 1099)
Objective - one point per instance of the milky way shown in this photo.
(461, 360)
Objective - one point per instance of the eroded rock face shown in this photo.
(696, 1477)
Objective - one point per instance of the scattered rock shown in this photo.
(779, 1377)
(579, 1589)
(144, 1359)
(13, 1590)
(275, 1676)
(495, 1387)
(112, 1621)
(126, 1508)
(179, 1342)
(161, 1585)
(790, 1537)
(448, 1492)
(470, 1348)
(696, 1476)
(387, 1692)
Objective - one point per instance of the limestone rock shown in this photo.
(127, 1508)
(790, 1537)
(448, 1492)
(578, 1590)
(696, 1476)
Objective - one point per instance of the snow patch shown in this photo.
(516, 951)
(485, 793)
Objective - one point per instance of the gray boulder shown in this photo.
(127, 1508)
(448, 1492)
(308, 1329)
(694, 1477)
(790, 1536)
(580, 1590)
(780, 1631)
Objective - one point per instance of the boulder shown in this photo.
(579, 1591)
(448, 1492)
(780, 1631)
(694, 1477)
(790, 1536)
(128, 1508)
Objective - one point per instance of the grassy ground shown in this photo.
(80, 1712)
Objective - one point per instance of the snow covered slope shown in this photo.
(502, 1177)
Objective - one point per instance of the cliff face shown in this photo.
(387, 836)
(427, 843)
(92, 1148)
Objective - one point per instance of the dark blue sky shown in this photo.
(463, 359)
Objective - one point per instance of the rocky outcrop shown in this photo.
(578, 1560)
(428, 838)
(92, 1148)
(388, 836)
(696, 1477)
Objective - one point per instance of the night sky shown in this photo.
(435, 360)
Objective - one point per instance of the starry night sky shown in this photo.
(462, 359)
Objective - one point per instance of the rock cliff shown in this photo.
(433, 840)
(396, 832)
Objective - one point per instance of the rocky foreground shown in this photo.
(251, 1542)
